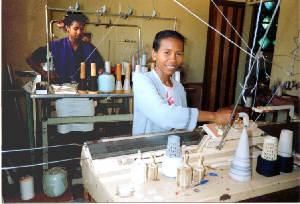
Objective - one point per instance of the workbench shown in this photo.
(107, 164)
(32, 114)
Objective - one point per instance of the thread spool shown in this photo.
(240, 169)
(173, 146)
(172, 158)
(285, 143)
(144, 59)
(26, 187)
(93, 86)
(107, 67)
(82, 86)
(55, 182)
(127, 88)
(270, 148)
(139, 170)
(152, 169)
(119, 78)
(199, 171)
(184, 174)
(138, 68)
(106, 81)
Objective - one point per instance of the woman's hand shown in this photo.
(222, 117)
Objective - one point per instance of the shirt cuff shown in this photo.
(193, 118)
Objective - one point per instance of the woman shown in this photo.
(160, 101)
(67, 54)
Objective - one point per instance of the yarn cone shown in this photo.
(240, 166)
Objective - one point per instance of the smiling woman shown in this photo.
(159, 100)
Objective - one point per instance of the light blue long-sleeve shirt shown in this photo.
(152, 112)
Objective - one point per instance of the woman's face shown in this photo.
(75, 30)
(169, 56)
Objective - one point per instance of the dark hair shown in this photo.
(166, 34)
(74, 16)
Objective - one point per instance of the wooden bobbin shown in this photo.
(119, 72)
(93, 69)
(127, 71)
(93, 88)
(82, 86)
(82, 70)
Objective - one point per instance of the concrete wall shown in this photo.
(287, 34)
(24, 29)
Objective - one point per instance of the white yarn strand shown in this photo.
(189, 11)
(230, 24)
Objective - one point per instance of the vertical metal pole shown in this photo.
(139, 45)
(34, 119)
(45, 143)
(175, 23)
(47, 38)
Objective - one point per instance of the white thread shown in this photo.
(230, 24)
(35, 148)
(40, 164)
(211, 27)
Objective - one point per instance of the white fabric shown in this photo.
(75, 107)
(152, 113)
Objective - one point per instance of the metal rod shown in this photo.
(51, 31)
(47, 38)
(235, 107)
(111, 14)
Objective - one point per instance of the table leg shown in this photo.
(34, 119)
(45, 143)
(29, 124)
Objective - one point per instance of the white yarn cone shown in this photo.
(240, 166)
(127, 85)
(119, 86)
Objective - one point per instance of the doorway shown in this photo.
(222, 57)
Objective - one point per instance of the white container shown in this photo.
(285, 143)
(26, 187)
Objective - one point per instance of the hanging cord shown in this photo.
(254, 39)
(40, 164)
(230, 24)
(189, 11)
(37, 148)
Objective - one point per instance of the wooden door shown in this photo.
(222, 57)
